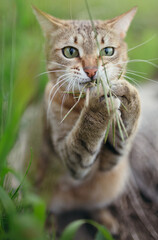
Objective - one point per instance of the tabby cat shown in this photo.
(93, 172)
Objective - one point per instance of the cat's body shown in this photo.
(86, 173)
(95, 173)
(143, 164)
(83, 152)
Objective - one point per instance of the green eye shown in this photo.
(108, 51)
(70, 52)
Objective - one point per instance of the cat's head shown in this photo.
(78, 52)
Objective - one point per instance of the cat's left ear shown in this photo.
(48, 23)
(122, 22)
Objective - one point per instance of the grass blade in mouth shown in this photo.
(77, 94)
(118, 120)
(80, 96)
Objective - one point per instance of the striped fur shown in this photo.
(98, 171)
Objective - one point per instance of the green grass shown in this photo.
(22, 58)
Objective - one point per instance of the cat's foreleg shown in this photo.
(116, 149)
(81, 146)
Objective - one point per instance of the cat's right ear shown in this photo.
(48, 23)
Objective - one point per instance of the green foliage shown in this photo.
(71, 229)
(22, 213)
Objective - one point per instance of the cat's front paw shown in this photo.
(130, 102)
(103, 107)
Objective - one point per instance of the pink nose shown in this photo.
(90, 71)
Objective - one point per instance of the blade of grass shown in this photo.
(97, 42)
(20, 185)
(5, 171)
(71, 229)
(120, 74)
(123, 126)
(2, 94)
(107, 131)
(12, 62)
(124, 107)
(104, 89)
(101, 229)
(119, 126)
(98, 46)
(105, 94)
(113, 130)
(96, 34)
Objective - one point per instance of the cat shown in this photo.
(93, 172)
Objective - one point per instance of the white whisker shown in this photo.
(129, 70)
(66, 74)
(54, 71)
(138, 75)
(62, 103)
(68, 89)
(58, 82)
(54, 87)
(73, 86)
(59, 64)
(133, 80)
(145, 61)
(66, 79)
(78, 84)
(140, 60)
(141, 44)
(51, 99)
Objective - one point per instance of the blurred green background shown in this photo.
(22, 59)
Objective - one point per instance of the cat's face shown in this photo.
(77, 53)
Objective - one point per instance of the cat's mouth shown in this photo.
(90, 83)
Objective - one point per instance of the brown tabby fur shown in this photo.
(99, 170)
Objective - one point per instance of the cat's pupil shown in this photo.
(107, 50)
(71, 50)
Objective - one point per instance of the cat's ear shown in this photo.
(48, 23)
(122, 22)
